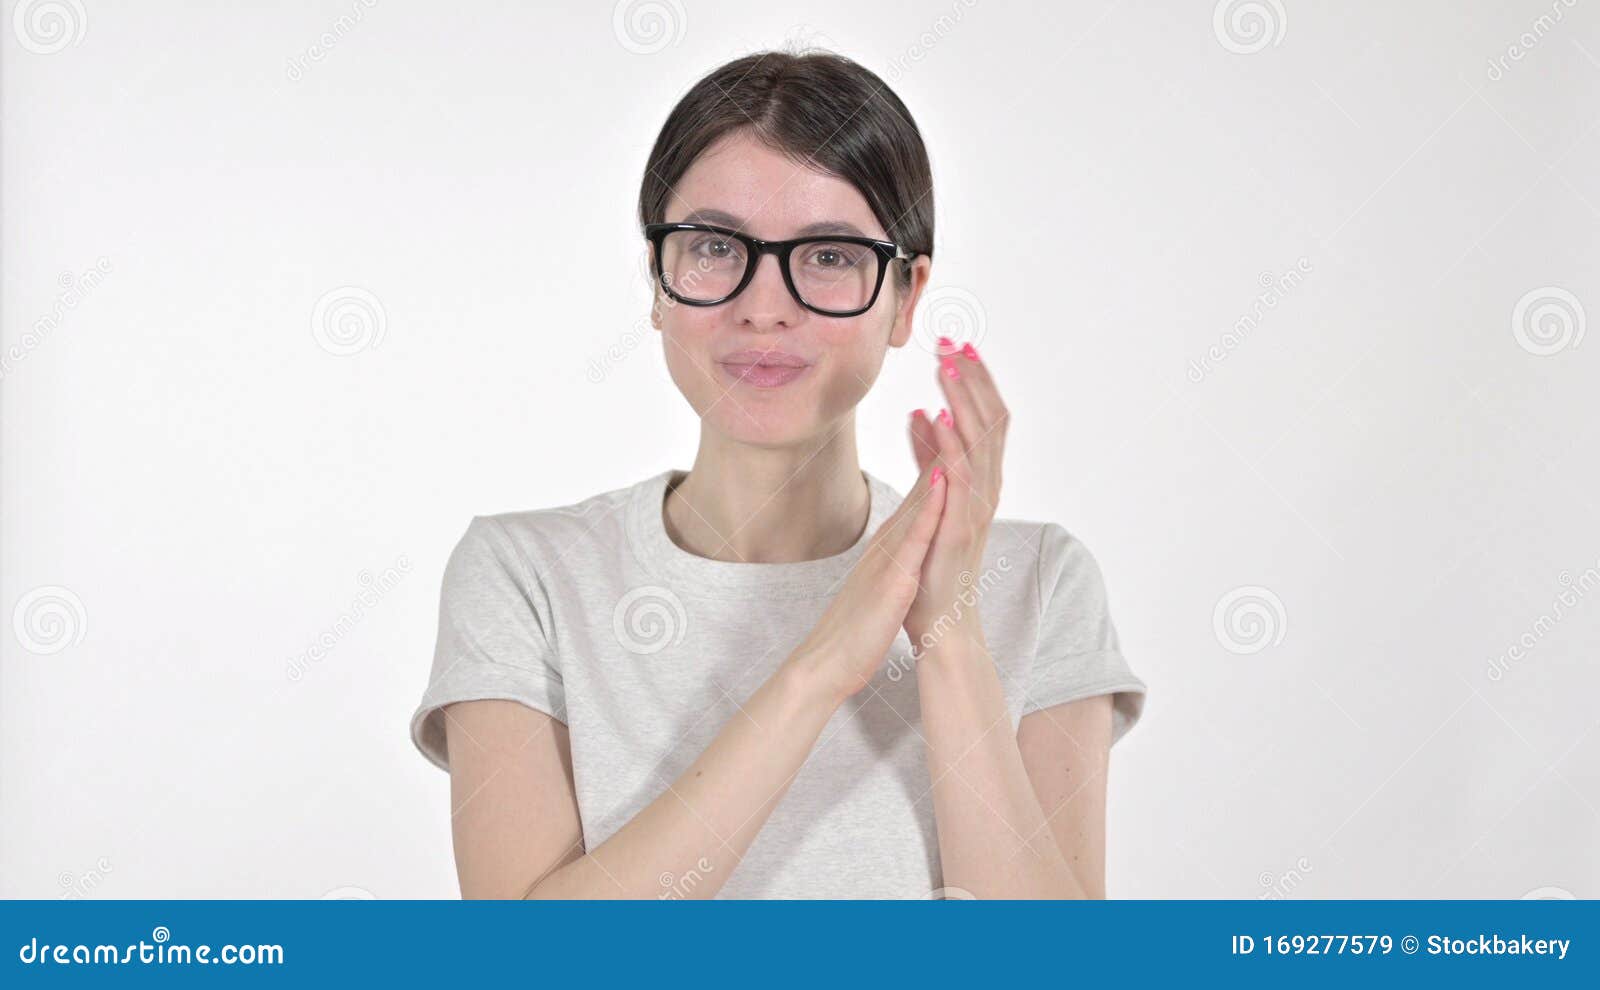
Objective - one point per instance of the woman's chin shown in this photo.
(763, 426)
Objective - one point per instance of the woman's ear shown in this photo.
(907, 308)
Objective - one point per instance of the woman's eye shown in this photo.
(717, 248)
(830, 256)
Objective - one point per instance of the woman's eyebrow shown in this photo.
(725, 219)
(831, 227)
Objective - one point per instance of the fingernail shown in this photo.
(970, 351)
(946, 345)
(933, 479)
(950, 370)
(944, 417)
(917, 413)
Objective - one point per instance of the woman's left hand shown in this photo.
(967, 442)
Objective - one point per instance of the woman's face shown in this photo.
(744, 185)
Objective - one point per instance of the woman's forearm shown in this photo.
(994, 840)
(687, 842)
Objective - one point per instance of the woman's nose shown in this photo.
(767, 298)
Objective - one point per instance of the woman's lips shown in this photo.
(762, 375)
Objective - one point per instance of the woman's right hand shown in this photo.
(849, 642)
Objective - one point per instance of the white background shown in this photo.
(193, 484)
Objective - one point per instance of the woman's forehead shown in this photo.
(740, 179)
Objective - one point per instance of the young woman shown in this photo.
(773, 675)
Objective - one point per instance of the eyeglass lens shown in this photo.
(705, 266)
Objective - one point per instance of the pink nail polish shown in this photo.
(933, 479)
(946, 345)
(950, 370)
(970, 351)
(945, 418)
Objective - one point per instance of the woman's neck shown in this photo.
(770, 504)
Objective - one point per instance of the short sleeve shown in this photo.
(1078, 653)
(492, 640)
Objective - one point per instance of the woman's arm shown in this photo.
(515, 818)
(1067, 750)
(998, 796)
(513, 808)
(1002, 800)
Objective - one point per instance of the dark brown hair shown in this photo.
(821, 109)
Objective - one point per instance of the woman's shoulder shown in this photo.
(1039, 547)
(555, 532)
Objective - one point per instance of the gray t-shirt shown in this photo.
(591, 613)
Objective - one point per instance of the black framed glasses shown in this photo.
(701, 264)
